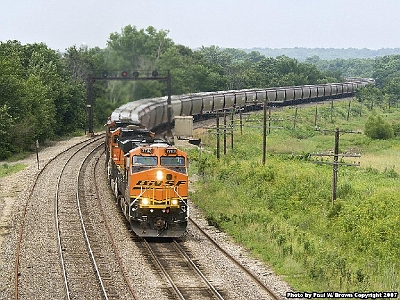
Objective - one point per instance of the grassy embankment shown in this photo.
(283, 211)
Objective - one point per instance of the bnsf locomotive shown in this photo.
(149, 179)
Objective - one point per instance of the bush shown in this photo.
(378, 129)
(396, 129)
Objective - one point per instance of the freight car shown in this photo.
(149, 180)
(152, 113)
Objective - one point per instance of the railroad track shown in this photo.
(76, 260)
(264, 288)
(184, 276)
(38, 231)
(76, 249)
(181, 273)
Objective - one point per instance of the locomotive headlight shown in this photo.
(145, 201)
(175, 202)
(159, 175)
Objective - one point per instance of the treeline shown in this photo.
(302, 53)
(43, 92)
(39, 99)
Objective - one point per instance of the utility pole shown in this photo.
(224, 132)
(264, 132)
(335, 164)
(218, 144)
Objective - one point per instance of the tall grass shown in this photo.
(283, 211)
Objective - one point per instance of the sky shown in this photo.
(60, 24)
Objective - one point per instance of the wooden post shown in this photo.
(264, 133)
(348, 111)
(316, 115)
(232, 126)
(37, 153)
(269, 120)
(224, 132)
(335, 165)
(241, 121)
(218, 146)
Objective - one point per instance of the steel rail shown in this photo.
(164, 271)
(246, 270)
(107, 226)
(91, 254)
(67, 290)
(216, 293)
(24, 213)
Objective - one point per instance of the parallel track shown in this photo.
(87, 263)
(76, 254)
(39, 213)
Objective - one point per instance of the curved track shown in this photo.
(112, 269)
(77, 252)
(38, 231)
(247, 271)
(64, 251)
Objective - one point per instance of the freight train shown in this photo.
(149, 177)
(152, 113)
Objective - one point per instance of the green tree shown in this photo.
(370, 96)
(67, 94)
(6, 122)
(38, 97)
(386, 69)
(138, 49)
(392, 89)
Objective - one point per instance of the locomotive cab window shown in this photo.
(173, 161)
(147, 161)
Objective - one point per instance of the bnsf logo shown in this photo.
(159, 183)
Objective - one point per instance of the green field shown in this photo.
(283, 211)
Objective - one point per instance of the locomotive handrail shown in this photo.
(187, 206)
(136, 199)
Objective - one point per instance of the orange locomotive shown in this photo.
(150, 181)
